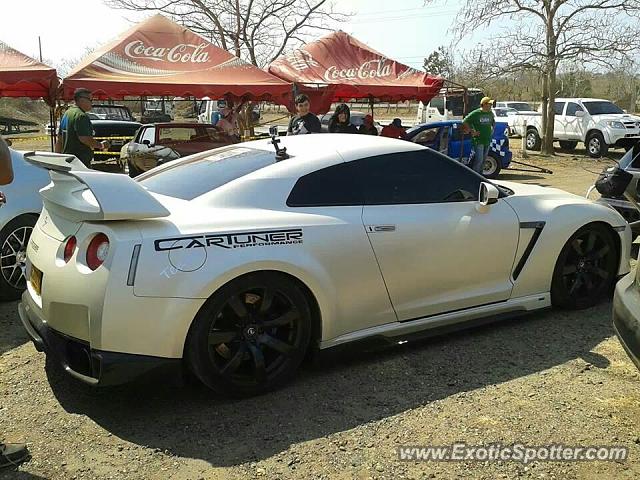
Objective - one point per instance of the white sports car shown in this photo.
(235, 262)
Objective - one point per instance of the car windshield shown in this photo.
(190, 178)
(108, 112)
(520, 106)
(602, 108)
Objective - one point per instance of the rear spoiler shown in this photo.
(79, 193)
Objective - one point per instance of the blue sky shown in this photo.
(405, 30)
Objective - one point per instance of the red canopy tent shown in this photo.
(158, 57)
(22, 76)
(339, 67)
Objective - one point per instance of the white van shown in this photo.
(448, 105)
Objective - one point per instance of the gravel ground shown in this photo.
(548, 377)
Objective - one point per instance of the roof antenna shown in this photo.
(281, 153)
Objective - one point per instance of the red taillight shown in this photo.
(97, 251)
(69, 248)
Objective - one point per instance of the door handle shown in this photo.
(381, 228)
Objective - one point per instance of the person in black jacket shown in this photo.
(304, 122)
(340, 120)
(367, 127)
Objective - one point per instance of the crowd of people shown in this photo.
(340, 122)
(76, 133)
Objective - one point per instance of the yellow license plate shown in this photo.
(36, 279)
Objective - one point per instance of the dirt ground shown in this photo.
(549, 377)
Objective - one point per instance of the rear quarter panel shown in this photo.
(333, 259)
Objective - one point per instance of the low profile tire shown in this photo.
(14, 239)
(251, 335)
(491, 167)
(596, 146)
(586, 268)
(568, 145)
(533, 141)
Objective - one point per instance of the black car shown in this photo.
(114, 123)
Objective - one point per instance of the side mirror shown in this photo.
(488, 195)
(580, 113)
(146, 142)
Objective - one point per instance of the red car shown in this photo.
(157, 143)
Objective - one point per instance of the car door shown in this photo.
(459, 143)
(559, 120)
(143, 157)
(574, 128)
(436, 251)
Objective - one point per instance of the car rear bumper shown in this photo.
(91, 366)
(626, 316)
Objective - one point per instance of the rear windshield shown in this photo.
(189, 179)
(108, 112)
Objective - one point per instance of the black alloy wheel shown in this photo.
(251, 336)
(586, 268)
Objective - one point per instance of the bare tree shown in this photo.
(541, 35)
(258, 31)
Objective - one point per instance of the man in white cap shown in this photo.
(480, 123)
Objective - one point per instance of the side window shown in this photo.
(558, 107)
(176, 134)
(427, 136)
(331, 186)
(420, 176)
(150, 135)
(572, 108)
(437, 102)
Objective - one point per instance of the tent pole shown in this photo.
(371, 105)
(53, 132)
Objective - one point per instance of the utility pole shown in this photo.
(40, 47)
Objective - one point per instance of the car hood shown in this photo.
(528, 190)
(616, 117)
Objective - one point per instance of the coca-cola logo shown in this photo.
(301, 60)
(181, 53)
(371, 69)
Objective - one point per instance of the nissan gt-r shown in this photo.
(235, 262)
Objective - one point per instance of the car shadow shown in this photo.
(341, 391)
(15, 474)
(12, 333)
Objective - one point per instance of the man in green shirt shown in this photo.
(480, 123)
(75, 135)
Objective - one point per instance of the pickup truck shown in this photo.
(599, 124)
(115, 123)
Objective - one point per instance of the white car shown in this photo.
(599, 124)
(237, 261)
(522, 108)
(17, 218)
